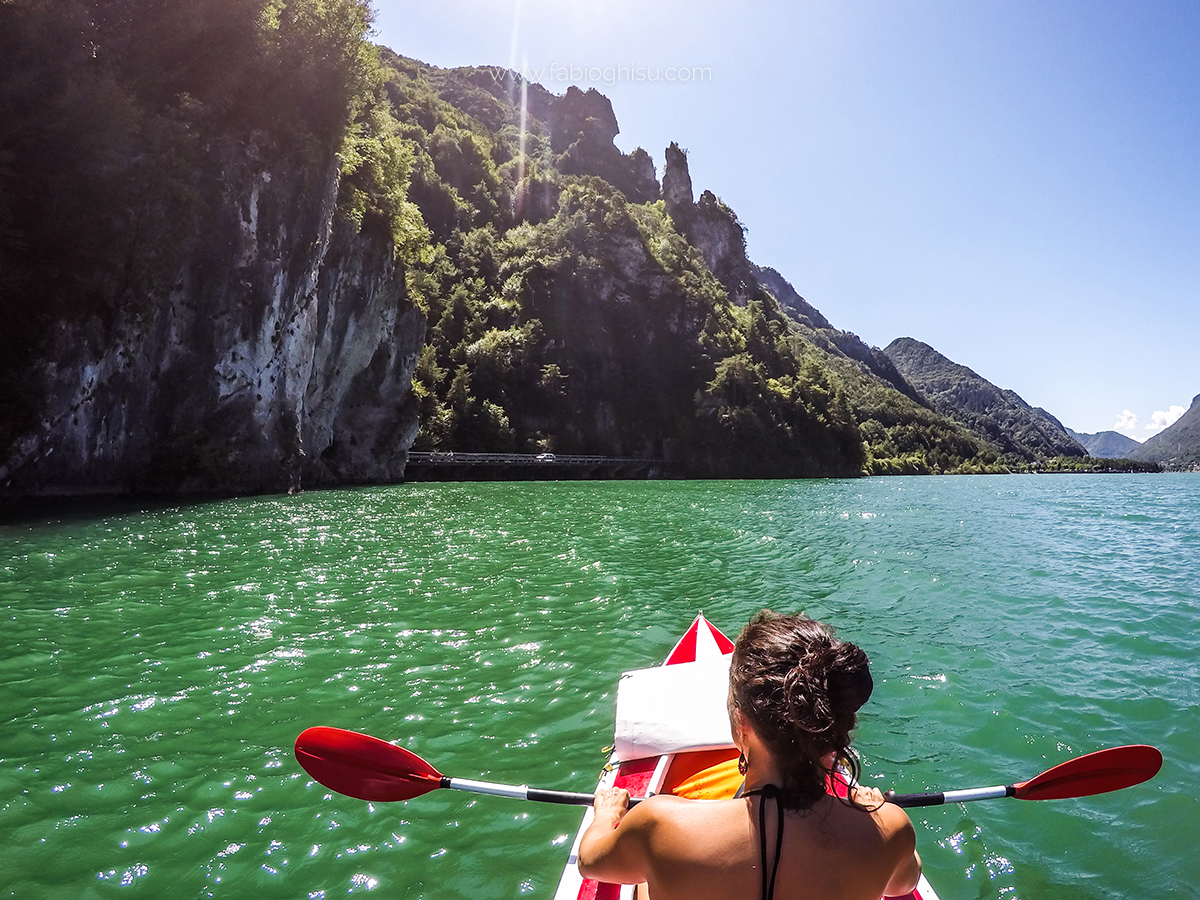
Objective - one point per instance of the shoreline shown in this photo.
(13, 509)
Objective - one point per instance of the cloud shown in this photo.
(1161, 420)
(1126, 422)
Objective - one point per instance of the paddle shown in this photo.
(365, 767)
(1083, 776)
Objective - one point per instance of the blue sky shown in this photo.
(1015, 183)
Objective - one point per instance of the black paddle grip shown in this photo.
(573, 798)
(910, 800)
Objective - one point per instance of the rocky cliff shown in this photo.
(205, 266)
(620, 320)
(280, 357)
(287, 270)
(582, 127)
(998, 416)
(711, 226)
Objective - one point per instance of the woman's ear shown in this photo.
(829, 760)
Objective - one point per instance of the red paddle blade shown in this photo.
(1094, 773)
(361, 766)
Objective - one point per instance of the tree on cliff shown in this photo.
(108, 106)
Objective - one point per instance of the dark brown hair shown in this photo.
(801, 688)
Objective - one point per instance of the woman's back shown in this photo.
(713, 850)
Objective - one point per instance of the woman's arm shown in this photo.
(614, 847)
(902, 838)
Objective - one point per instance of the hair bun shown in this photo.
(850, 683)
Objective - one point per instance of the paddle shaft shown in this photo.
(1083, 776)
(938, 798)
(522, 792)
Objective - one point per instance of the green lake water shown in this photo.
(158, 660)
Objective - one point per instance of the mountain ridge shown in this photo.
(757, 354)
(1107, 444)
(1177, 447)
(1000, 416)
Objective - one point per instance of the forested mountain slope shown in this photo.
(1176, 448)
(577, 305)
(1109, 444)
(1022, 432)
(244, 249)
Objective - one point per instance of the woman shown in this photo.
(794, 691)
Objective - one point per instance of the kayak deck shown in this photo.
(699, 775)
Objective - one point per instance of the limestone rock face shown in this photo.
(711, 226)
(721, 240)
(281, 357)
(581, 114)
(582, 128)
(642, 181)
(677, 188)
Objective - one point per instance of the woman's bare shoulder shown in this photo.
(890, 820)
(687, 825)
(669, 808)
(893, 822)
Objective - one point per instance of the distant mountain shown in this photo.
(999, 416)
(830, 339)
(1106, 444)
(1178, 447)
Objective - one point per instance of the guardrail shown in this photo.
(448, 458)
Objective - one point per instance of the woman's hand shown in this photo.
(611, 804)
(867, 797)
(609, 853)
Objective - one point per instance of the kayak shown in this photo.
(672, 736)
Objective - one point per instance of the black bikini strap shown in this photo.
(767, 791)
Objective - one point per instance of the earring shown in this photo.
(743, 763)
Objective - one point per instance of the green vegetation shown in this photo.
(900, 436)
(564, 316)
(1090, 464)
(108, 110)
(1021, 433)
(1177, 448)
(123, 121)
(566, 310)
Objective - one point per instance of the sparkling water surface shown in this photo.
(158, 660)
